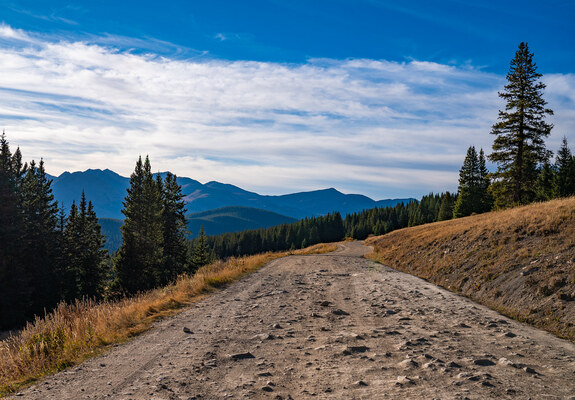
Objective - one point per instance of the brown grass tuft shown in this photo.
(75, 332)
(520, 262)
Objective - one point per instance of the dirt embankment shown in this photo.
(332, 326)
(519, 261)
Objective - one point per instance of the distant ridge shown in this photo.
(106, 189)
(215, 222)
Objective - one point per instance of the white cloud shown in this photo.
(9, 33)
(397, 129)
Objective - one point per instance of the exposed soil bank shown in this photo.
(520, 262)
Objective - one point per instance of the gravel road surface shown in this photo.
(333, 326)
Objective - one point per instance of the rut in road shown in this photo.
(328, 326)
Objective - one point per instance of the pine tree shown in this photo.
(40, 238)
(14, 285)
(446, 207)
(85, 252)
(473, 195)
(484, 184)
(139, 260)
(564, 184)
(71, 257)
(544, 187)
(175, 256)
(519, 146)
(200, 251)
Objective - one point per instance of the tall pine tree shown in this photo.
(40, 237)
(175, 250)
(84, 261)
(139, 261)
(519, 144)
(446, 206)
(564, 184)
(15, 288)
(473, 195)
(544, 187)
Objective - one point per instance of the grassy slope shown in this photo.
(73, 333)
(520, 262)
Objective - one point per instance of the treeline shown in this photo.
(306, 232)
(476, 195)
(379, 221)
(46, 256)
(328, 228)
(480, 191)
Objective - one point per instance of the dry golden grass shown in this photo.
(72, 333)
(520, 262)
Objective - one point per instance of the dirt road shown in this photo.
(328, 326)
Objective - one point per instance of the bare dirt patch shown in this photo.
(328, 326)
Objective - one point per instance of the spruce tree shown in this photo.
(40, 238)
(544, 187)
(200, 250)
(484, 184)
(468, 182)
(139, 260)
(84, 252)
(71, 256)
(473, 195)
(14, 284)
(175, 255)
(94, 273)
(519, 144)
(446, 207)
(564, 184)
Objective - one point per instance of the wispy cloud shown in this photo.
(382, 128)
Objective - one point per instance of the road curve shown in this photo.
(331, 326)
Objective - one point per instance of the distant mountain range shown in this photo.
(106, 189)
(215, 222)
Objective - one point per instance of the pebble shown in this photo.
(408, 363)
(402, 379)
(505, 361)
(241, 356)
(483, 362)
(355, 349)
(263, 336)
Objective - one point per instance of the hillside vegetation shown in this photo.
(520, 261)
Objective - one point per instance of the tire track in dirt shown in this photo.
(328, 326)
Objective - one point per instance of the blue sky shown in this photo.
(368, 96)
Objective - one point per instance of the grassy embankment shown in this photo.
(520, 262)
(73, 333)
